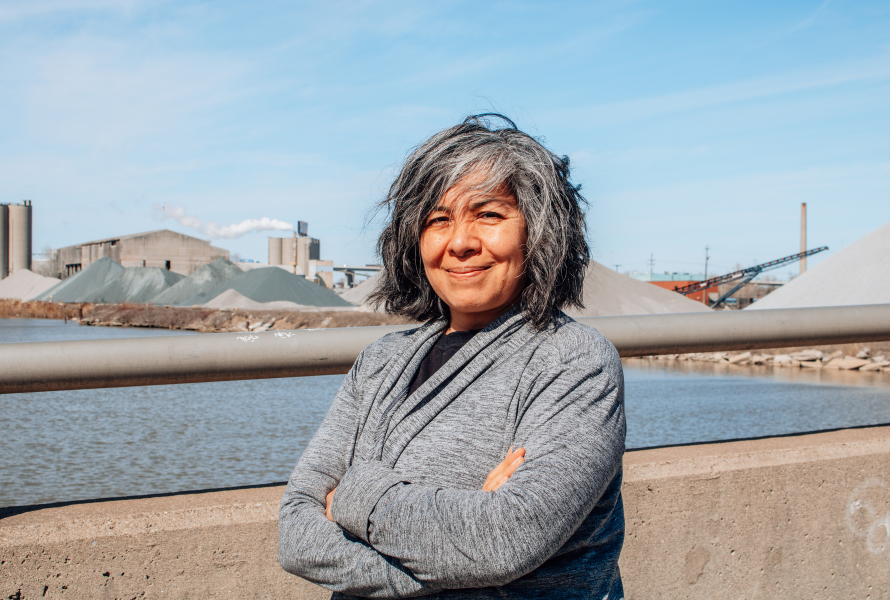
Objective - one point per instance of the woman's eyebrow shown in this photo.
(480, 203)
(471, 206)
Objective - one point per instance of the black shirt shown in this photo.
(444, 348)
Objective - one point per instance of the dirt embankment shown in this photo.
(207, 320)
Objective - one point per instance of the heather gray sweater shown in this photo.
(411, 516)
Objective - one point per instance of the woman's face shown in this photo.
(473, 251)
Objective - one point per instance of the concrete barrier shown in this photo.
(792, 517)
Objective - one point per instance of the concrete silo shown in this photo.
(274, 251)
(19, 236)
(288, 251)
(4, 240)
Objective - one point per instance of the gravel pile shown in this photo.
(271, 284)
(134, 284)
(359, 294)
(607, 293)
(79, 286)
(205, 279)
(856, 274)
(232, 299)
(24, 285)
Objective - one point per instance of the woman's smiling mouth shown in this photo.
(466, 272)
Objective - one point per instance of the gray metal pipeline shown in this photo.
(48, 366)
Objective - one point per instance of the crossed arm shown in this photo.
(384, 536)
(498, 477)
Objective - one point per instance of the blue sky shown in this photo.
(688, 124)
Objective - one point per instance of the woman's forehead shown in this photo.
(474, 191)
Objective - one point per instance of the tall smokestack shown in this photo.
(19, 236)
(4, 240)
(803, 236)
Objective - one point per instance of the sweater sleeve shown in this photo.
(573, 431)
(311, 546)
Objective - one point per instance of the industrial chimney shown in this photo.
(803, 236)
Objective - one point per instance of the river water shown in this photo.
(59, 446)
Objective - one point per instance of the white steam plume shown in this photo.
(213, 230)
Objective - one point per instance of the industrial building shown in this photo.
(15, 238)
(669, 281)
(303, 254)
(163, 248)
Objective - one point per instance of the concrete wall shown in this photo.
(796, 517)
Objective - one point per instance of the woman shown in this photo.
(405, 489)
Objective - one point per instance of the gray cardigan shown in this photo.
(411, 516)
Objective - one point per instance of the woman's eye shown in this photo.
(491, 215)
(437, 221)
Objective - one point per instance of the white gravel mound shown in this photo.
(857, 274)
(359, 294)
(232, 299)
(609, 293)
(25, 285)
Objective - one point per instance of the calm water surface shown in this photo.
(103, 443)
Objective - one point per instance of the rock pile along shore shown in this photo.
(802, 359)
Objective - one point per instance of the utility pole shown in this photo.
(616, 268)
(295, 252)
(803, 236)
(651, 266)
(704, 294)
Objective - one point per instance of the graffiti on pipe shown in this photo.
(249, 338)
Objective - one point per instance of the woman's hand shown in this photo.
(499, 475)
(327, 504)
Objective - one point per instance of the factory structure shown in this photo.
(163, 248)
(301, 254)
(15, 238)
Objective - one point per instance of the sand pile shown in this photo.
(607, 293)
(24, 285)
(857, 274)
(204, 279)
(359, 294)
(271, 284)
(135, 284)
(77, 287)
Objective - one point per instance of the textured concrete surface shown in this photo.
(796, 517)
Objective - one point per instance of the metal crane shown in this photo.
(745, 275)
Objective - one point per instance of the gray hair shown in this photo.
(556, 253)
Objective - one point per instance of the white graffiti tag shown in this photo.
(868, 514)
(284, 334)
(249, 338)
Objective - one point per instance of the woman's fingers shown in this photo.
(501, 473)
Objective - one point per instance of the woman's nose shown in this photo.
(464, 240)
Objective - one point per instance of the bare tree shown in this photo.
(43, 264)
